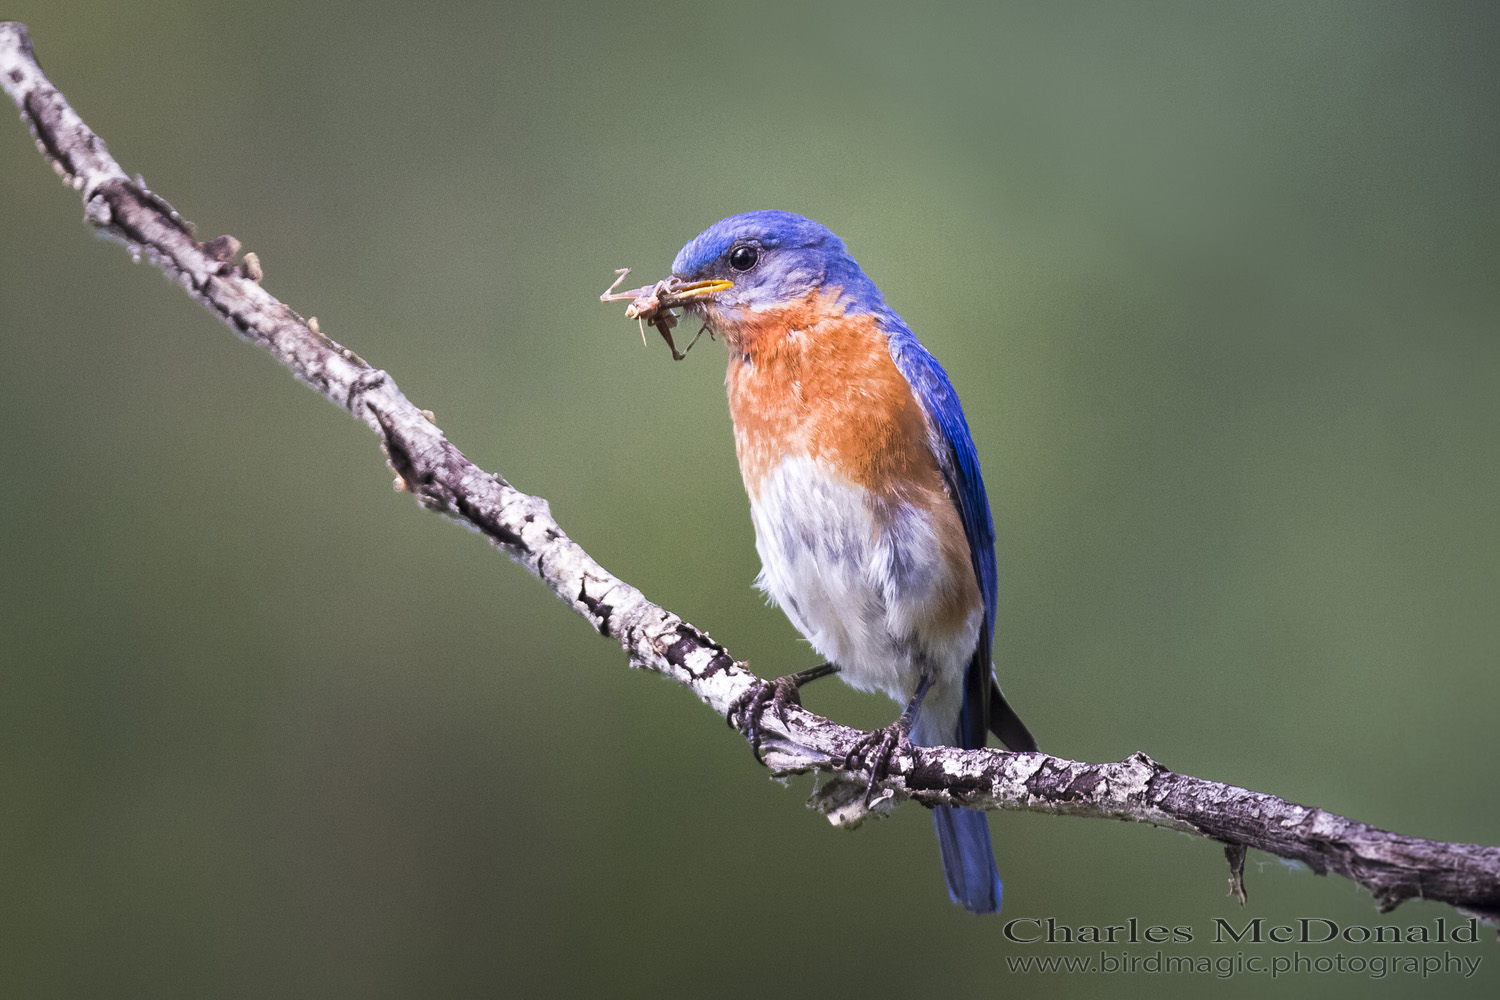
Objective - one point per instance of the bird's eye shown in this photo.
(743, 258)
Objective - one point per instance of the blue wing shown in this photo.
(960, 464)
(984, 707)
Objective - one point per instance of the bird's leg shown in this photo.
(881, 744)
(775, 695)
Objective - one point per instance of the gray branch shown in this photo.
(1392, 867)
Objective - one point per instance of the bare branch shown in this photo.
(1394, 868)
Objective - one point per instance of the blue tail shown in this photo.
(968, 860)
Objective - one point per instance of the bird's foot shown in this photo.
(875, 750)
(750, 708)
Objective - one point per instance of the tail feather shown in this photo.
(968, 860)
(1006, 724)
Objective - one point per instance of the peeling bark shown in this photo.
(1392, 867)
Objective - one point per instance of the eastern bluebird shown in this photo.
(871, 520)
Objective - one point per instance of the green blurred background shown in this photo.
(1217, 284)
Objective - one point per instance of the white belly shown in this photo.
(864, 592)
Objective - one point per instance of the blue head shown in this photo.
(769, 259)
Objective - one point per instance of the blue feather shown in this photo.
(968, 860)
(960, 464)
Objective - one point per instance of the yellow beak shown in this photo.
(678, 292)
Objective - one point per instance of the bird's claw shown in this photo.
(879, 747)
(749, 708)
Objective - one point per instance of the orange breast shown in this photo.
(810, 379)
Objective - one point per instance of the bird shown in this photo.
(871, 519)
